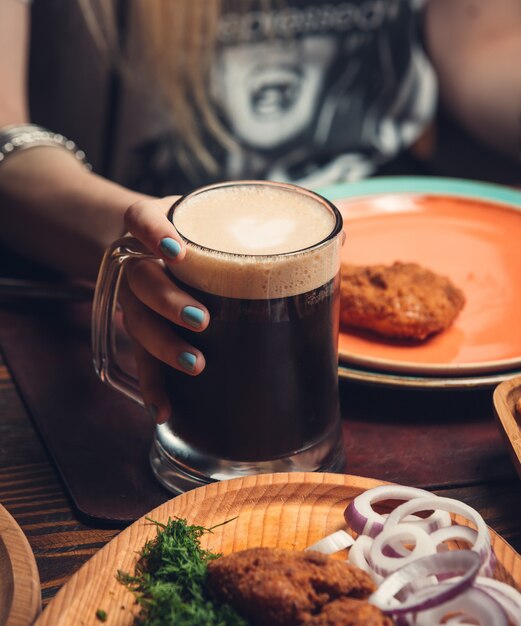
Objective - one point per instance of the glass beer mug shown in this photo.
(264, 258)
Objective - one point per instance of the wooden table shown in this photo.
(33, 493)
(31, 490)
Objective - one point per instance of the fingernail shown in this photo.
(170, 247)
(153, 411)
(192, 316)
(187, 361)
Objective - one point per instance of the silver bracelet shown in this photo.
(23, 136)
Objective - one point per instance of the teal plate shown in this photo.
(423, 185)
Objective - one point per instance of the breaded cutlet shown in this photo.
(402, 300)
(284, 587)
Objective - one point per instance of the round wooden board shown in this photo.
(277, 510)
(20, 596)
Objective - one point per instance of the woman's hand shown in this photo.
(151, 302)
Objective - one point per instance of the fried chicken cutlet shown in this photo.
(402, 300)
(272, 586)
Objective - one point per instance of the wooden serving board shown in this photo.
(505, 397)
(20, 595)
(277, 510)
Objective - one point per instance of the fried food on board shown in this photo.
(285, 587)
(402, 300)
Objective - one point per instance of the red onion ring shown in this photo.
(335, 542)
(454, 533)
(463, 533)
(506, 595)
(408, 593)
(358, 554)
(473, 604)
(482, 543)
(462, 563)
(383, 564)
(467, 534)
(489, 566)
(364, 520)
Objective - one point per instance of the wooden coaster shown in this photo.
(20, 595)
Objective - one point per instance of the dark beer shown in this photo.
(264, 258)
(269, 387)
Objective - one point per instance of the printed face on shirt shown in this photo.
(268, 92)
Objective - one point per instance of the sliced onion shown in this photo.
(504, 594)
(473, 606)
(507, 596)
(454, 533)
(358, 556)
(489, 566)
(458, 620)
(339, 540)
(383, 564)
(364, 520)
(462, 533)
(410, 593)
(482, 543)
(461, 563)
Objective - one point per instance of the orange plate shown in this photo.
(477, 243)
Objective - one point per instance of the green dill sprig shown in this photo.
(169, 581)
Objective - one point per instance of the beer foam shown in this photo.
(256, 241)
(253, 220)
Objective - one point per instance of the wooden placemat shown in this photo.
(100, 440)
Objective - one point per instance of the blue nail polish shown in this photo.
(187, 361)
(170, 247)
(152, 409)
(192, 316)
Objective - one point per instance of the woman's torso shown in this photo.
(312, 92)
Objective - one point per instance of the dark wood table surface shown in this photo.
(32, 491)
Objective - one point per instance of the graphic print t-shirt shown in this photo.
(312, 92)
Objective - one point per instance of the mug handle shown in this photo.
(103, 334)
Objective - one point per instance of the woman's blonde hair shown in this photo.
(173, 42)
